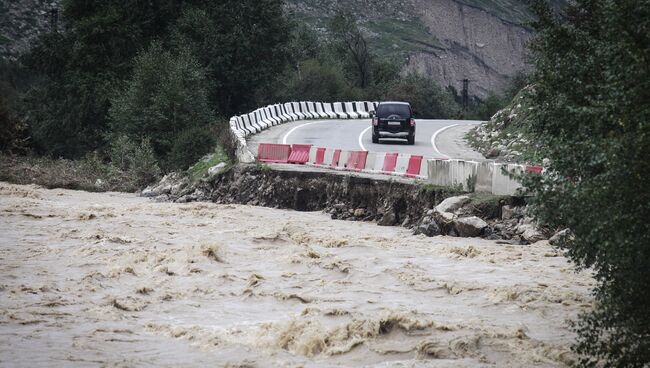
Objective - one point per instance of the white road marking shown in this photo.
(361, 136)
(435, 135)
(286, 136)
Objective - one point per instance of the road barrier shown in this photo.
(357, 160)
(277, 153)
(242, 126)
(299, 153)
(414, 166)
(471, 176)
(390, 161)
(490, 177)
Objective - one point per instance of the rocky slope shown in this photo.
(504, 137)
(450, 40)
(21, 22)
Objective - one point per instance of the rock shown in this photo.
(508, 212)
(530, 233)
(359, 212)
(388, 219)
(428, 228)
(560, 236)
(468, 227)
(493, 152)
(451, 204)
(217, 169)
(148, 192)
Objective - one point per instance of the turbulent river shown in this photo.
(117, 280)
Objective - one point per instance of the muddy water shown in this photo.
(117, 280)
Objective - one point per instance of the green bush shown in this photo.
(190, 145)
(137, 160)
(165, 101)
(424, 94)
(592, 112)
(318, 81)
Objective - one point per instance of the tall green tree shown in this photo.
(350, 42)
(592, 115)
(166, 102)
(242, 43)
(80, 67)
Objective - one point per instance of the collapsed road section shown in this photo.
(424, 208)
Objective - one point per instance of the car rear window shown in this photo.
(386, 110)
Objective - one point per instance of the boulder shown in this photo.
(171, 183)
(530, 233)
(560, 236)
(428, 228)
(388, 219)
(217, 169)
(468, 227)
(359, 212)
(452, 204)
(493, 152)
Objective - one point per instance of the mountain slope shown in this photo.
(450, 40)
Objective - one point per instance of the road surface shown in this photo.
(433, 138)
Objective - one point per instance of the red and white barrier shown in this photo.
(277, 153)
(299, 153)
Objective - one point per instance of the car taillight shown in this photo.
(412, 122)
(375, 121)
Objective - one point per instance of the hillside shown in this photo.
(481, 40)
(21, 21)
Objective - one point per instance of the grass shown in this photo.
(262, 166)
(200, 169)
(432, 188)
(395, 37)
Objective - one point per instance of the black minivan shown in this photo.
(393, 120)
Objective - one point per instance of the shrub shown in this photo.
(424, 94)
(165, 97)
(592, 108)
(190, 145)
(136, 160)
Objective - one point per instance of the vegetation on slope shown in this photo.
(505, 137)
(591, 115)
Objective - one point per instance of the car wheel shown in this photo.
(375, 139)
(411, 139)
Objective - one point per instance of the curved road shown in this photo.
(433, 138)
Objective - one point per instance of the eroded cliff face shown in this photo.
(476, 45)
(449, 40)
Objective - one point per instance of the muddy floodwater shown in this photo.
(112, 279)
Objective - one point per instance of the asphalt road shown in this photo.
(433, 138)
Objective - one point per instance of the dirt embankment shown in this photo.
(410, 204)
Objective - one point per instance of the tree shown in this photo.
(592, 114)
(242, 43)
(424, 94)
(79, 68)
(164, 100)
(350, 41)
(318, 81)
